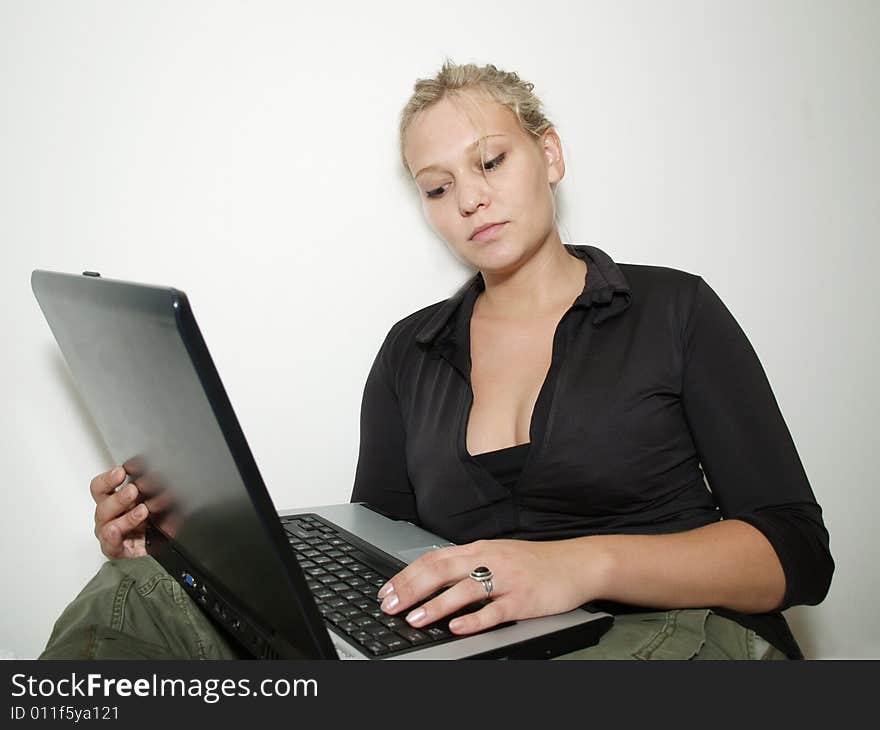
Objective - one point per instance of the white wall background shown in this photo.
(246, 153)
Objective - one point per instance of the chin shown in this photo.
(496, 256)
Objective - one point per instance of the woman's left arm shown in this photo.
(771, 549)
(728, 564)
(751, 463)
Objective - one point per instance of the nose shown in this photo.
(472, 196)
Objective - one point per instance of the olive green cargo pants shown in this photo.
(132, 609)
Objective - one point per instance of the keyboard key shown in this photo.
(392, 622)
(369, 561)
(379, 631)
(394, 642)
(412, 635)
(362, 637)
(296, 531)
(437, 633)
(377, 648)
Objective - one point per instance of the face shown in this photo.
(444, 157)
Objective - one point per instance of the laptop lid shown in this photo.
(141, 365)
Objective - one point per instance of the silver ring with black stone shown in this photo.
(483, 575)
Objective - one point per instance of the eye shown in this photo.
(494, 163)
(436, 192)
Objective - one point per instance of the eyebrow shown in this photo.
(470, 146)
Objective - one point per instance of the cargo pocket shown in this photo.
(681, 636)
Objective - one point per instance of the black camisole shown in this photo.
(505, 465)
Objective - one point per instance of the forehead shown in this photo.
(449, 128)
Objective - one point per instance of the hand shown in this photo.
(530, 579)
(119, 518)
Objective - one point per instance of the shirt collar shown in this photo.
(605, 289)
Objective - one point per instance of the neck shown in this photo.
(549, 279)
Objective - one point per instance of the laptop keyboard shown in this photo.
(344, 580)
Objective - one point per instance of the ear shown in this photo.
(551, 146)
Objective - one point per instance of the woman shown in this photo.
(556, 416)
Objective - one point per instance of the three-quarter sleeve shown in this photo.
(750, 461)
(381, 479)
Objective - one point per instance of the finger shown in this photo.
(105, 483)
(114, 533)
(424, 577)
(162, 502)
(492, 614)
(463, 593)
(115, 504)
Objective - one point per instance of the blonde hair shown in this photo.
(504, 87)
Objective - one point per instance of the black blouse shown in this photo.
(652, 385)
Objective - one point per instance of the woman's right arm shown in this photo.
(119, 517)
(381, 479)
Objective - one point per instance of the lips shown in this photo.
(487, 231)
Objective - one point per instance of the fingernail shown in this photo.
(456, 624)
(416, 616)
(131, 491)
(390, 603)
(140, 511)
(386, 589)
(118, 473)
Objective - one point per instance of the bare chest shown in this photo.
(509, 364)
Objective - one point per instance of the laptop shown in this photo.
(294, 584)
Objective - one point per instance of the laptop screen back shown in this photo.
(131, 350)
